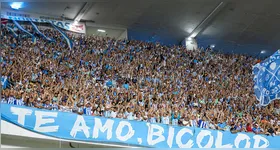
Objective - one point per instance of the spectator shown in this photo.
(256, 129)
(134, 80)
(249, 127)
(271, 131)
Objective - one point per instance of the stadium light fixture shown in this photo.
(100, 30)
(16, 5)
(212, 46)
(193, 35)
(263, 51)
(76, 22)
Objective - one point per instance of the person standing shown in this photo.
(88, 109)
(202, 123)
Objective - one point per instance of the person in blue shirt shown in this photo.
(221, 125)
(19, 99)
(88, 109)
(256, 129)
(175, 117)
(109, 83)
(47, 105)
(129, 114)
(165, 118)
(202, 123)
(126, 85)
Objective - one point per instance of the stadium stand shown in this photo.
(66, 87)
(134, 80)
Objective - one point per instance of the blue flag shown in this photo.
(25, 31)
(39, 32)
(68, 40)
(13, 32)
(267, 79)
(4, 82)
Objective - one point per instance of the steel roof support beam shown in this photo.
(204, 23)
(86, 7)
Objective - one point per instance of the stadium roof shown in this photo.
(242, 22)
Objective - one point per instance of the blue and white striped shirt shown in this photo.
(11, 100)
(54, 107)
(107, 114)
(18, 102)
(193, 123)
(47, 106)
(87, 111)
(202, 124)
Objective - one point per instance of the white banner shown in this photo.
(67, 25)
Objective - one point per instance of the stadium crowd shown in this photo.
(134, 80)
